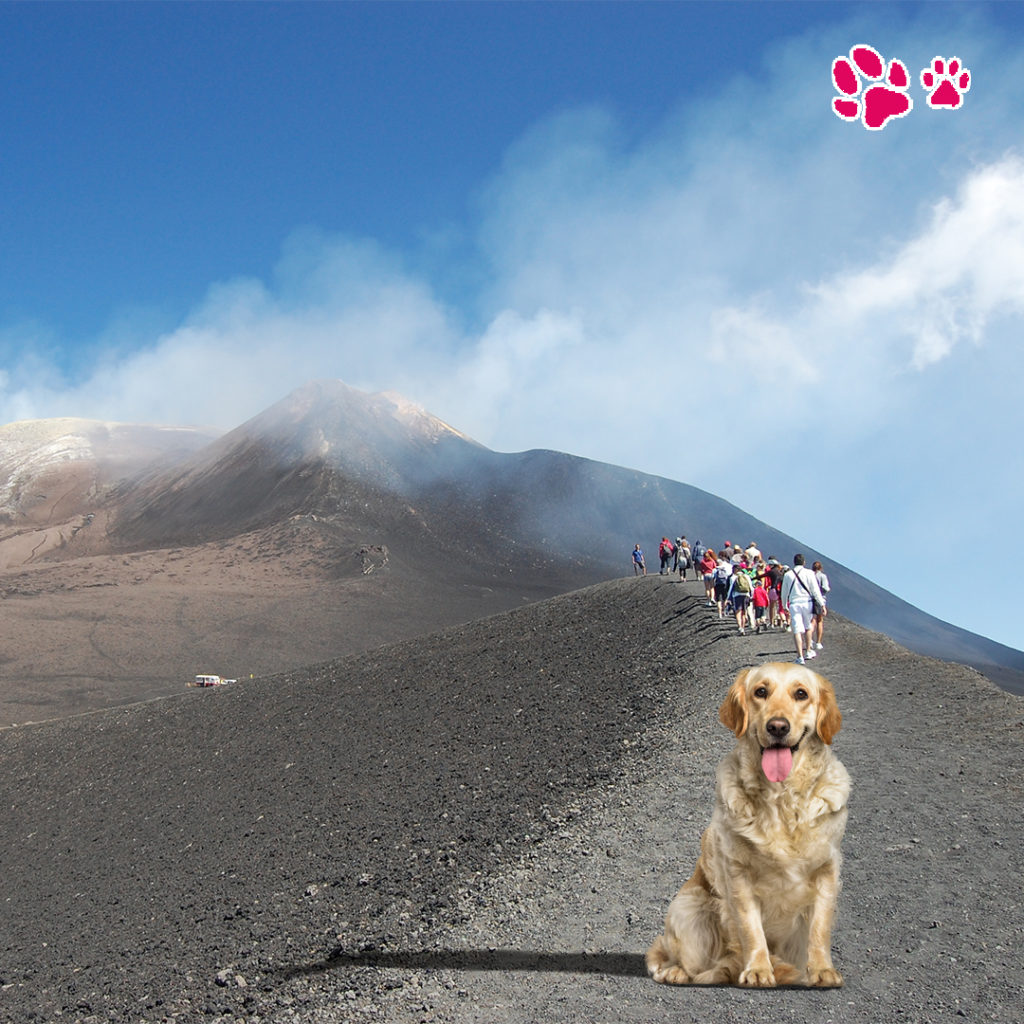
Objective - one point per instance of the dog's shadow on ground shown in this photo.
(627, 965)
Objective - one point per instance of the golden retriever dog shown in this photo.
(758, 910)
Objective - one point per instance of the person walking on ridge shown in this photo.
(665, 552)
(639, 565)
(802, 596)
(760, 601)
(683, 560)
(819, 620)
(722, 577)
(706, 567)
(740, 591)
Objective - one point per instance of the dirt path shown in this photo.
(930, 923)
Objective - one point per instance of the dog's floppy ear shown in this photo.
(733, 712)
(829, 716)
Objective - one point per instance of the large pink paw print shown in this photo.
(879, 104)
(946, 83)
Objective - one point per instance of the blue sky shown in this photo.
(633, 232)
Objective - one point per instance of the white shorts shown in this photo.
(801, 614)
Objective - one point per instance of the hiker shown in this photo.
(639, 565)
(707, 570)
(740, 590)
(775, 574)
(819, 620)
(760, 602)
(802, 596)
(783, 610)
(675, 554)
(697, 553)
(722, 577)
(665, 551)
(683, 557)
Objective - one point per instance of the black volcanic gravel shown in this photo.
(308, 847)
(157, 854)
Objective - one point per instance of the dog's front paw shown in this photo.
(672, 974)
(824, 977)
(758, 975)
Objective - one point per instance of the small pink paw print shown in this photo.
(946, 83)
(879, 104)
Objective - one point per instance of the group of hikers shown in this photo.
(762, 593)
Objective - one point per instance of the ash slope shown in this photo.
(244, 830)
(341, 844)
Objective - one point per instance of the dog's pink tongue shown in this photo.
(777, 763)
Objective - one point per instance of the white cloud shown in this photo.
(347, 312)
(944, 285)
(743, 338)
(517, 357)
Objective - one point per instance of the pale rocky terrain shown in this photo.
(487, 823)
(97, 632)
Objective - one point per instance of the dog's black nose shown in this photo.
(778, 728)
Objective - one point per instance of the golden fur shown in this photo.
(758, 910)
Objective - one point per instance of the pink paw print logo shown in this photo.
(946, 83)
(878, 104)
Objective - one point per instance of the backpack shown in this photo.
(721, 574)
(742, 583)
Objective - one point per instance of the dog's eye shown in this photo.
(800, 695)
(761, 692)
